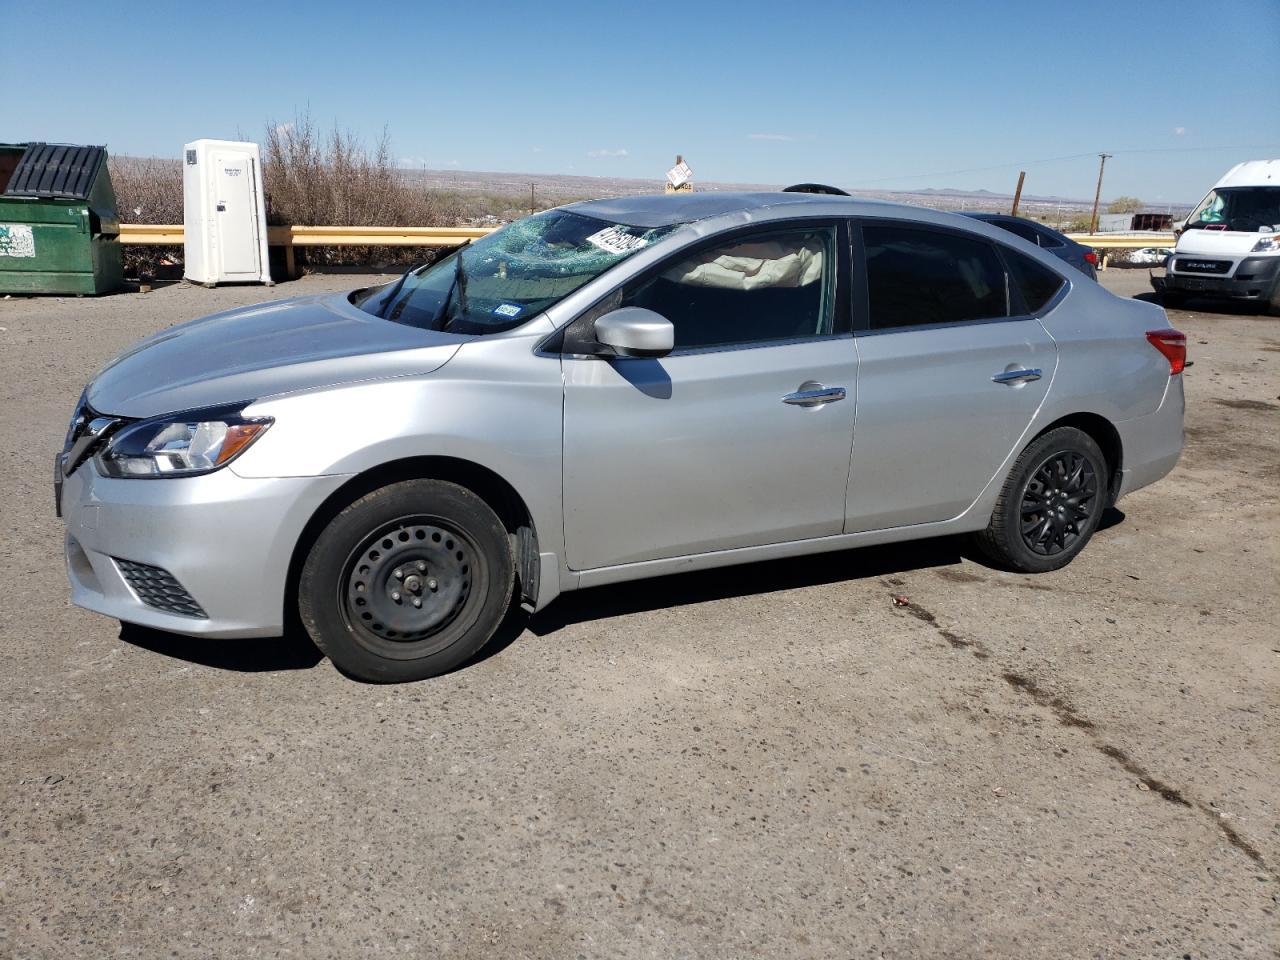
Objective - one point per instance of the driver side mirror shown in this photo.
(635, 332)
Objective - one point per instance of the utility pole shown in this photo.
(1097, 196)
(1017, 194)
(532, 202)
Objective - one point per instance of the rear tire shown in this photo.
(407, 582)
(1050, 504)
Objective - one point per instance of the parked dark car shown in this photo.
(1061, 246)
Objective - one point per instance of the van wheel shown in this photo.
(407, 582)
(1050, 504)
(1274, 304)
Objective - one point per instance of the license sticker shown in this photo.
(616, 240)
(508, 310)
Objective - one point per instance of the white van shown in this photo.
(1230, 244)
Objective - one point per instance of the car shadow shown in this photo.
(293, 651)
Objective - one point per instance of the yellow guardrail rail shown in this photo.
(147, 233)
(1125, 241)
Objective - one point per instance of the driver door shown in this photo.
(718, 445)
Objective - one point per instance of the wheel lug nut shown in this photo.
(422, 566)
(395, 595)
(433, 584)
(417, 602)
(398, 573)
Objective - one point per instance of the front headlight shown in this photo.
(1266, 244)
(181, 444)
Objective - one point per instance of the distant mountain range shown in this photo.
(549, 188)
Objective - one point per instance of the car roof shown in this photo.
(662, 210)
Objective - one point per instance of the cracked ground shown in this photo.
(777, 760)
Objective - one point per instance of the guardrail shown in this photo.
(293, 236)
(1124, 241)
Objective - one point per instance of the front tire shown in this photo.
(1050, 505)
(408, 582)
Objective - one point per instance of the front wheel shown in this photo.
(1050, 504)
(407, 582)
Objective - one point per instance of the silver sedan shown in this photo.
(602, 392)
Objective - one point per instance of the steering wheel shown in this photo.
(1244, 224)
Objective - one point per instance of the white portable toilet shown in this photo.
(224, 218)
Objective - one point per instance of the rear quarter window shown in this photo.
(1037, 283)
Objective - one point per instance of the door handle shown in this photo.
(1016, 377)
(814, 396)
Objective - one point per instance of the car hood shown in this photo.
(262, 351)
(1215, 242)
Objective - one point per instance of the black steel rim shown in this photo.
(1058, 503)
(406, 583)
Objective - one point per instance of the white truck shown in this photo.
(1230, 244)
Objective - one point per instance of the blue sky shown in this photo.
(885, 95)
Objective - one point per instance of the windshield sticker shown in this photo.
(615, 239)
(507, 310)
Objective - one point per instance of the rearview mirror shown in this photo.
(635, 332)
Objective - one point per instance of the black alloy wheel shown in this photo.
(1057, 502)
(1050, 504)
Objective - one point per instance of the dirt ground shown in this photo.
(768, 761)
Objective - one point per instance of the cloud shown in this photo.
(600, 154)
(770, 136)
(451, 163)
(411, 162)
(1179, 131)
(535, 149)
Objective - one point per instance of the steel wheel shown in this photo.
(405, 583)
(1058, 503)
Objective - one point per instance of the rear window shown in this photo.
(1037, 284)
(919, 277)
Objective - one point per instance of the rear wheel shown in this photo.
(1050, 504)
(408, 582)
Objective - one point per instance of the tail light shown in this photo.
(1173, 344)
(1091, 257)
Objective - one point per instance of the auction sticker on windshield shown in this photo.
(508, 309)
(615, 239)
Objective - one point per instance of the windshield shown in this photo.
(1247, 209)
(508, 277)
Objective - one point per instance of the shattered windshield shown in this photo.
(508, 277)
(1247, 209)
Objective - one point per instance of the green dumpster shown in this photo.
(59, 231)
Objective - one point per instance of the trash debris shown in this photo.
(998, 791)
(1143, 787)
(901, 601)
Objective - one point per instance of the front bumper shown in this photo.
(1253, 278)
(225, 541)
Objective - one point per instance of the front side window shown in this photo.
(917, 277)
(774, 286)
(510, 276)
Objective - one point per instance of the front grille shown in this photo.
(157, 588)
(1196, 265)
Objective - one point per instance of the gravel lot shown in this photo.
(767, 761)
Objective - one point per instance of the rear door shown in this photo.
(951, 372)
